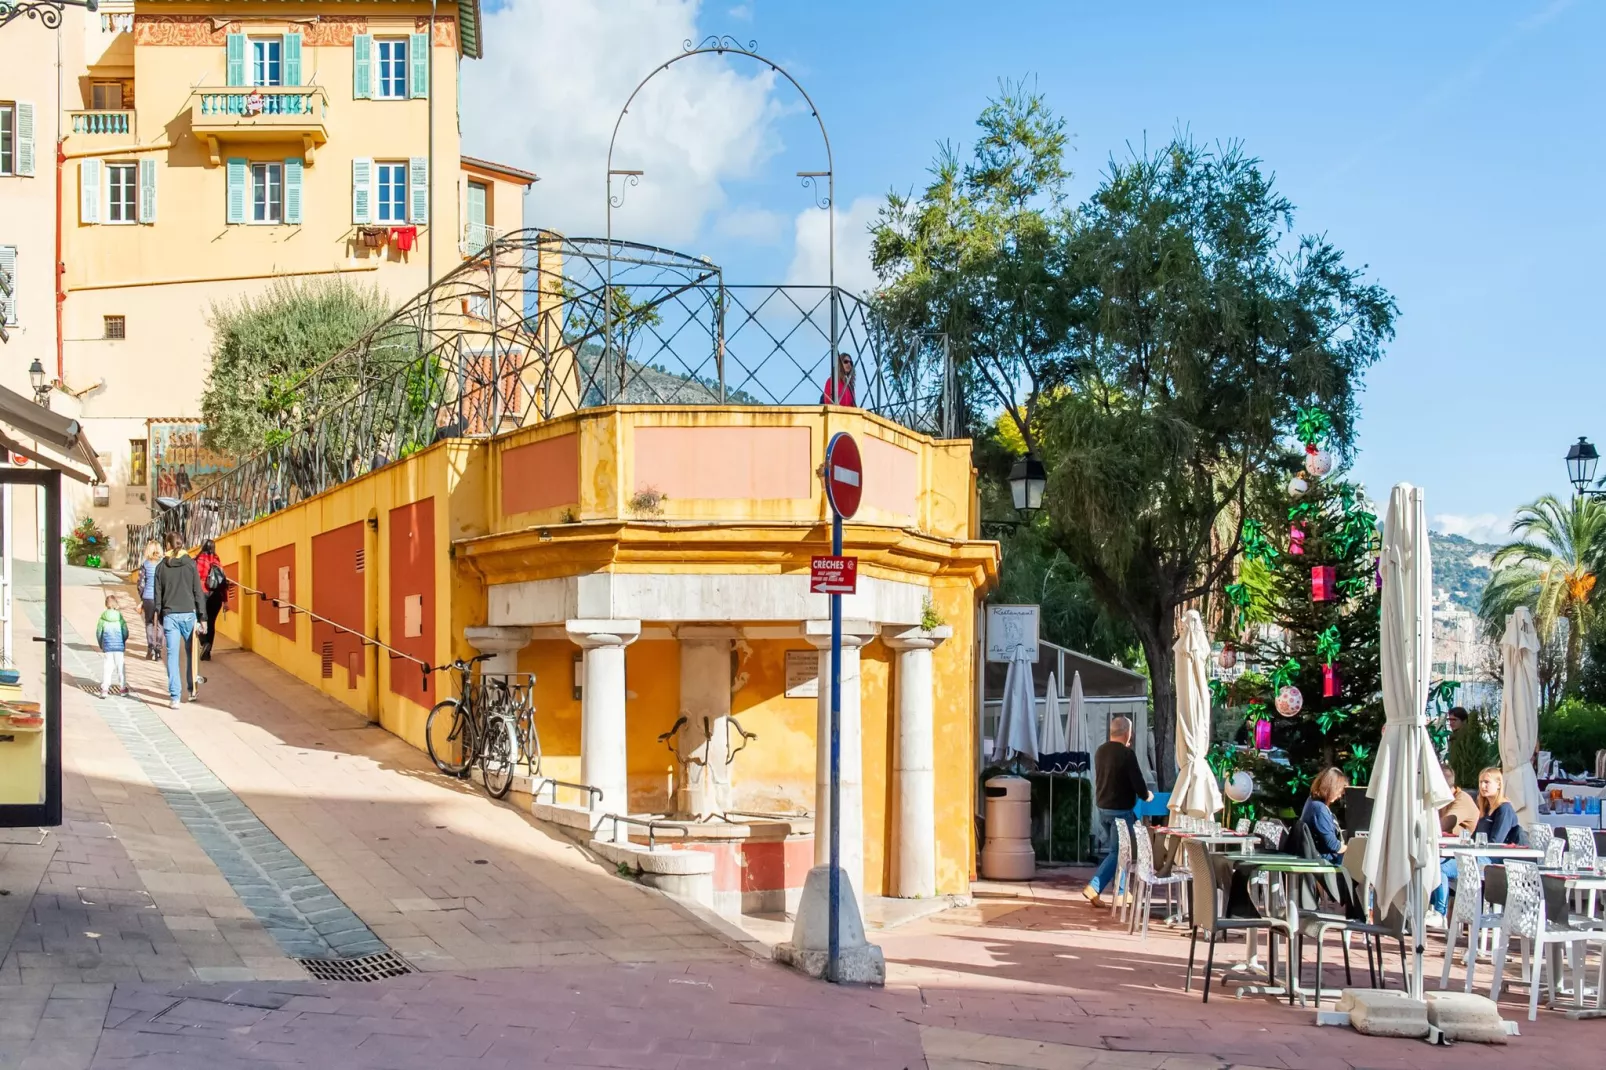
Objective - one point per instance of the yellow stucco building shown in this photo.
(207, 148)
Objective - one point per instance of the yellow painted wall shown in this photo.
(451, 473)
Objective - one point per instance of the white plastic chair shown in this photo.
(1146, 881)
(1242, 828)
(1540, 835)
(1467, 913)
(1525, 919)
(1581, 846)
(1123, 870)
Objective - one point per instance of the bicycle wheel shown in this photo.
(496, 758)
(449, 736)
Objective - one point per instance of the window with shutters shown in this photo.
(392, 192)
(122, 193)
(267, 193)
(267, 61)
(392, 81)
(106, 96)
(115, 327)
(8, 292)
(8, 138)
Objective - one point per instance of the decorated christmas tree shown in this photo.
(1303, 616)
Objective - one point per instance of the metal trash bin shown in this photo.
(1007, 855)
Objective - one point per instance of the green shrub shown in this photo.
(1572, 733)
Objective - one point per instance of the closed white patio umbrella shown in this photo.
(1519, 713)
(1051, 732)
(1078, 733)
(1195, 792)
(1017, 715)
(1407, 787)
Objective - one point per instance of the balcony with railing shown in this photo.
(102, 123)
(259, 114)
(476, 236)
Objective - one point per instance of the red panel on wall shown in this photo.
(412, 598)
(339, 592)
(231, 569)
(276, 576)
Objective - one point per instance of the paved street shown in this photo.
(207, 849)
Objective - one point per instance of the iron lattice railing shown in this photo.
(520, 333)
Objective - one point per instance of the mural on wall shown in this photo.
(178, 461)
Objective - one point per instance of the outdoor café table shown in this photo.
(1495, 852)
(1287, 867)
(1559, 885)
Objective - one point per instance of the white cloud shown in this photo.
(809, 265)
(751, 224)
(547, 93)
(1483, 527)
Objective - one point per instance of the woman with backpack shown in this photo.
(147, 600)
(216, 585)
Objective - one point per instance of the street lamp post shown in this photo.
(1581, 462)
(1028, 479)
(41, 387)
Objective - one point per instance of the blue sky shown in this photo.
(1453, 148)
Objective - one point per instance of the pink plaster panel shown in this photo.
(541, 475)
(724, 462)
(891, 476)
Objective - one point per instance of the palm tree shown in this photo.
(1552, 568)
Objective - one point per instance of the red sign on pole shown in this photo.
(843, 474)
(834, 575)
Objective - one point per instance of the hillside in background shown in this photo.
(1460, 567)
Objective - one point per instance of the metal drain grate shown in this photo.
(368, 968)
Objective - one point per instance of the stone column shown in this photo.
(602, 711)
(705, 702)
(504, 642)
(914, 760)
(851, 771)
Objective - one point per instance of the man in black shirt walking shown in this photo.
(1118, 784)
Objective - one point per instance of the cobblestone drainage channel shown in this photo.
(301, 912)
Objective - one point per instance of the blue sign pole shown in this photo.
(835, 914)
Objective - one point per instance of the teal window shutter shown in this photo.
(147, 190)
(362, 66)
(362, 191)
(418, 189)
(418, 65)
(292, 59)
(236, 61)
(292, 190)
(8, 300)
(238, 176)
(24, 138)
(89, 191)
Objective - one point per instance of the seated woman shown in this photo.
(1325, 790)
(1497, 821)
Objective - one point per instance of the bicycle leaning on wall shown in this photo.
(491, 722)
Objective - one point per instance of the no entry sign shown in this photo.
(833, 575)
(843, 474)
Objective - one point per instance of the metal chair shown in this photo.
(1526, 918)
(1468, 911)
(1146, 880)
(1206, 916)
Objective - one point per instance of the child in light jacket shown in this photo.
(112, 633)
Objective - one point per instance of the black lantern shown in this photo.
(36, 376)
(1581, 462)
(1027, 479)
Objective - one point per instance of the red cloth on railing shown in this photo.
(403, 238)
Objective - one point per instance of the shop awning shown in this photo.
(47, 438)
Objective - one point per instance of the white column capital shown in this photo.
(589, 634)
(855, 633)
(902, 638)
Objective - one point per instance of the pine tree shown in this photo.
(1329, 526)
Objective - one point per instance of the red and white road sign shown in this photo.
(834, 575)
(843, 474)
